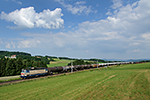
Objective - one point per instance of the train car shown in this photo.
(77, 67)
(89, 66)
(66, 68)
(32, 72)
(94, 65)
(81, 67)
(55, 69)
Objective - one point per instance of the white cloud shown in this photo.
(131, 19)
(1, 42)
(116, 4)
(13, 44)
(146, 36)
(121, 35)
(28, 43)
(122, 27)
(80, 2)
(108, 13)
(10, 45)
(17, 1)
(134, 51)
(78, 8)
(28, 18)
(132, 44)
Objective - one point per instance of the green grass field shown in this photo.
(58, 62)
(120, 82)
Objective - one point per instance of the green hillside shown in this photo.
(58, 62)
(113, 83)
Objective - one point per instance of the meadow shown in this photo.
(58, 62)
(116, 82)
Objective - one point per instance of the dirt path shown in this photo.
(9, 77)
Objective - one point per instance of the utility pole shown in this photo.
(97, 63)
(71, 66)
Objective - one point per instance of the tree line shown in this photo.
(7, 53)
(82, 62)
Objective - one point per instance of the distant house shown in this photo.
(13, 56)
(38, 57)
(6, 57)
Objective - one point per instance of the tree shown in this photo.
(13, 67)
(1, 67)
(3, 62)
(77, 62)
(43, 64)
(9, 70)
(34, 64)
(28, 63)
(19, 65)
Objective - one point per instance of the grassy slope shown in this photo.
(123, 82)
(58, 62)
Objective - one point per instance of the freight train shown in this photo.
(36, 71)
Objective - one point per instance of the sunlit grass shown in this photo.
(58, 62)
(120, 82)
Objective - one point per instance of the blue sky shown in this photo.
(107, 29)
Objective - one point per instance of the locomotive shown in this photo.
(33, 71)
(36, 71)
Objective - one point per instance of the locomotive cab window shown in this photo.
(27, 71)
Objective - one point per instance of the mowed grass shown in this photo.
(120, 82)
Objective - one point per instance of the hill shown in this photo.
(8, 53)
